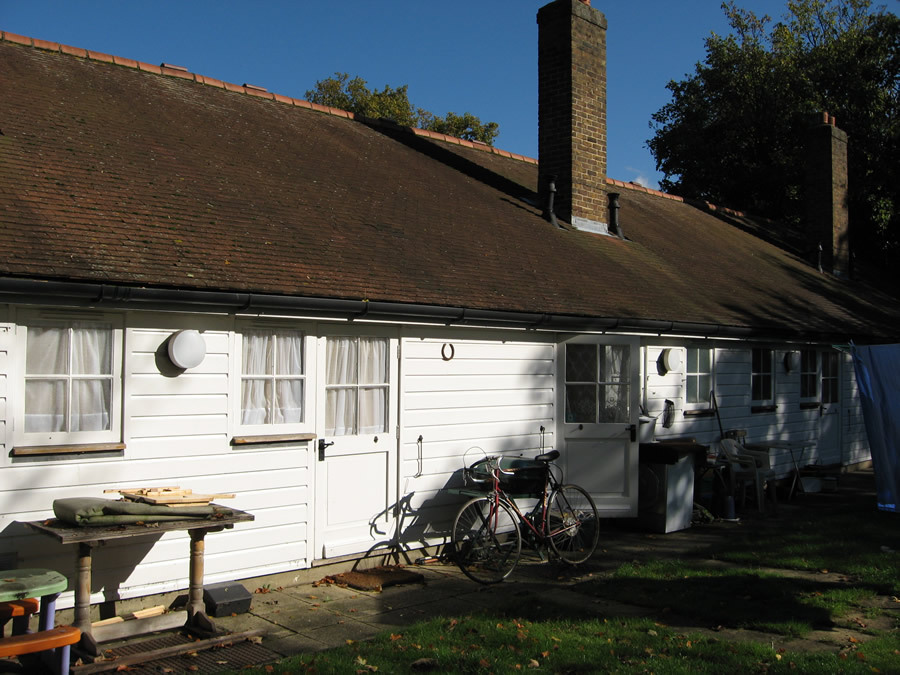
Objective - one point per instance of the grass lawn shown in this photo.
(776, 580)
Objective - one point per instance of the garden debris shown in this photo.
(373, 579)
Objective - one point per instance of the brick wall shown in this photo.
(826, 195)
(572, 110)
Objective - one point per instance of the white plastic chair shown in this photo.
(746, 468)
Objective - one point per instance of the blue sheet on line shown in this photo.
(878, 377)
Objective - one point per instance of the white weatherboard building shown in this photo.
(361, 310)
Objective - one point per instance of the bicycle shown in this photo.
(487, 530)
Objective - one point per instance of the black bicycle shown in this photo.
(488, 530)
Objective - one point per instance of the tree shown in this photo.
(393, 104)
(733, 132)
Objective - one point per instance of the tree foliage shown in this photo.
(733, 131)
(393, 103)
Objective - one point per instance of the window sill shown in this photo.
(763, 408)
(704, 412)
(810, 405)
(33, 450)
(273, 438)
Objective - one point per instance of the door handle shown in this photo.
(633, 429)
(322, 445)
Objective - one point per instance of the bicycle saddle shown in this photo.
(547, 456)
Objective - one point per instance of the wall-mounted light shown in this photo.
(791, 361)
(187, 348)
(670, 361)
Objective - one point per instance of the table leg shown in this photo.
(196, 609)
(83, 598)
(47, 617)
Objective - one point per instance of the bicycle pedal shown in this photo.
(544, 555)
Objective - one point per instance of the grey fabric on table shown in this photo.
(93, 511)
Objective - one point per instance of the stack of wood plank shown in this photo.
(168, 496)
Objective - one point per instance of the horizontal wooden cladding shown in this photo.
(201, 473)
(478, 383)
(478, 350)
(31, 450)
(445, 400)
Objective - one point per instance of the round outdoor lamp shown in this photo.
(187, 349)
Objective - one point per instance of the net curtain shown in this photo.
(356, 391)
(67, 378)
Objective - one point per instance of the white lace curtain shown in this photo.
(615, 370)
(356, 386)
(68, 378)
(272, 377)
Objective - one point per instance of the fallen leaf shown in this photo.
(534, 663)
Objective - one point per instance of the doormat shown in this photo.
(174, 653)
(374, 579)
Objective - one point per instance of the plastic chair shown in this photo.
(746, 469)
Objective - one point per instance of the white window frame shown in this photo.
(760, 372)
(830, 383)
(810, 372)
(700, 404)
(307, 425)
(50, 319)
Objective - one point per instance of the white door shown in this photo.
(828, 449)
(599, 405)
(356, 467)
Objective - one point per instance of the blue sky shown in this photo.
(477, 56)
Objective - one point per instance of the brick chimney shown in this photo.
(572, 112)
(827, 215)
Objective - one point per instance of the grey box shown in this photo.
(226, 598)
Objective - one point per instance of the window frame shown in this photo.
(53, 442)
(810, 373)
(687, 375)
(830, 383)
(762, 404)
(358, 387)
(254, 433)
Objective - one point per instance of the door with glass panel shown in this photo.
(599, 401)
(828, 450)
(356, 451)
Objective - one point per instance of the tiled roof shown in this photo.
(119, 172)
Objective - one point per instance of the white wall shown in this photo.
(790, 420)
(492, 397)
(176, 432)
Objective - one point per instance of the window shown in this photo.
(597, 383)
(273, 379)
(809, 375)
(762, 378)
(72, 381)
(698, 377)
(356, 386)
(830, 378)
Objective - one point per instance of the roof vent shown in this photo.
(172, 66)
(254, 87)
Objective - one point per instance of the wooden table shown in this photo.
(194, 618)
(34, 583)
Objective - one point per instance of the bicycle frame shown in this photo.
(487, 531)
(498, 493)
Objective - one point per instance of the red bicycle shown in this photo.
(487, 532)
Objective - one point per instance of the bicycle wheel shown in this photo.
(573, 526)
(486, 540)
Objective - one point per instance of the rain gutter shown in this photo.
(83, 294)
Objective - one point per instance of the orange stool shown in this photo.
(20, 612)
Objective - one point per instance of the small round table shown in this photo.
(34, 583)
